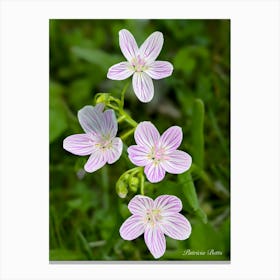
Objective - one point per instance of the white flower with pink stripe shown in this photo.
(157, 153)
(155, 218)
(99, 140)
(141, 64)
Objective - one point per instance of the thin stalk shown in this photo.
(142, 183)
(128, 118)
(126, 134)
(123, 93)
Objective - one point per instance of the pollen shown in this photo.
(153, 216)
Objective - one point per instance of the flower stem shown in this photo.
(128, 118)
(121, 118)
(123, 93)
(142, 183)
(126, 134)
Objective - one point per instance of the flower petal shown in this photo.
(132, 228)
(146, 134)
(159, 69)
(139, 205)
(138, 155)
(143, 86)
(176, 226)
(95, 161)
(99, 108)
(155, 241)
(113, 154)
(168, 204)
(177, 162)
(90, 118)
(151, 48)
(171, 139)
(154, 172)
(78, 144)
(109, 124)
(120, 71)
(128, 44)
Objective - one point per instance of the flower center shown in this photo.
(157, 155)
(153, 216)
(104, 142)
(138, 64)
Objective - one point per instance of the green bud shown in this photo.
(134, 183)
(126, 177)
(102, 98)
(121, 189)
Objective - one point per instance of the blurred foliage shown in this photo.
(85, 210)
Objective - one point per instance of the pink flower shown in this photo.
(157, 153)
(155, 218)
(99, 140)
(141, 63)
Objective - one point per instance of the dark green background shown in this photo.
(85, 210)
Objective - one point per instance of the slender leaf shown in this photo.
(198, 133)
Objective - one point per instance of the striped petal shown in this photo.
(146, 135)
(132, 228)
(143, 86)
(168, 204)
(139, 205)
(99, 108)
(155, 241)
(120, 71)
(171, 139)
(152, 46)
(159, 69)
(177, 162)
(95, 161)
(78, 144)
(90, 118)
(128, 44)
(176, 226)
(109, 124)
(154, 172)
(113, 154)
(138, 155)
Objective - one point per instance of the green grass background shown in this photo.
(85, 210)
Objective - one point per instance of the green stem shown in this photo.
(126, 134)
(142, 183)
(113, 107)
(128, 118)
(121, 118)
(123, 93)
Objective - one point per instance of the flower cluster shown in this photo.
(153, 154)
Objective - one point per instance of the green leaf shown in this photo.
(185, 61)
(188, 188)
(207, 239)
(58, 112)
(202, 215)
(102, 59)
(197, 133)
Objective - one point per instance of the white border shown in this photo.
(254, 128)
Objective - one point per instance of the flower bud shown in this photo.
(134, 183)
(102, 98)
(121, 189)
(126, 177)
